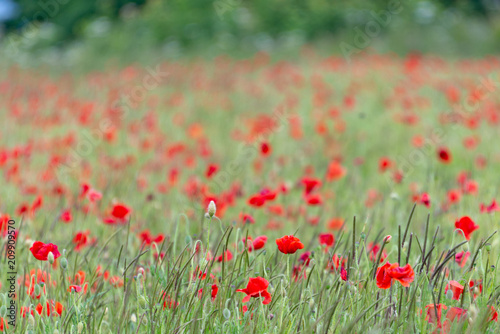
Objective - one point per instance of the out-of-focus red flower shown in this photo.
(444, 155)
(81, 239)
(289, 244)
(335, 223)
(211, 170)
(490, 208)
(256, 287)
(326, 239)
(265, 149)
(148, 239)
(314, 199)
(305, 258)
(456, 288)
(373, 249)
(467, 225)
(343, 273)
(494, 314)
(52, 308)
(120, 211)
(66, 216)
(246, 218)
(228, 256)
(310, 184)
(433, 314)
(384, 164)
(388, 272)
(461, 258)
(215, 289)
(41, 251)
(335, 171)
(425, 199)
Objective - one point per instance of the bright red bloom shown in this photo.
(305, 258)
(494, 314)
(314, 199)
(467, 225)
(373, 250)
(310, 184)
(3, 324)
(326, 239)
(74, 288)
(265, 149)
(289, 244)
(456, 288)
(256, 287)
(246, 218)
(343, 273)
(66, 216)
(215, 289)
(120, 211)
(211, 170)
(425, 199)
(52, 308)
(41, 251)
(444, 155)
(258, 243)
(81, 239)
(388, 272)
(455, 313)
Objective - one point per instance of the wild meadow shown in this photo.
(313, 195)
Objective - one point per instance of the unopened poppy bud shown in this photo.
(50, 258)
(133, 317)
(387, 239)
(63, 263)
(449, 294)
(363, 236)
(188, 240)
(226, 313)
(80, 327)
(211, 209)
(31, 320)
(465, 247)
(488, 247)
(142, 302)
(38, 290)
(3, 311)
(56, 331)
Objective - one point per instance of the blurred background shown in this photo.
(66, 32)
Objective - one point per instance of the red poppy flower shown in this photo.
(425, 199)
(228, 256)
(373, 250)
(494, 314)
(265, 149)
(66, 216)
(461, 258)
(51, 308)
(41, 251)
(431, 314)
(305, 258)
(467, 225)
(388, 272)
(74, 288)
(289, 244)
(384, 164)
(120, 211)
(310, 184)
(211, 170)
(335, 171)
(314, 199)
(215, 289)
(444, 155)
(343, 273)
(246, 218)
(148, 239)
(256, 287)
(326, 239)
(258, 243)
(456, 288)
(490, 208)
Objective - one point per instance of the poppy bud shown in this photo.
(465, 247)
(188, 240)
(211, 209)
(226, 313)
(31, 320)
(142, 302)
(80, 327)
(449, 294)
(387, 239)
(3, 311)
(56, 331)
(50, 258)
(363, 236)
(64, 263)
(37, 290)
(488, 247)
(133, 317)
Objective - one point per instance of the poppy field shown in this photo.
(313, 195)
